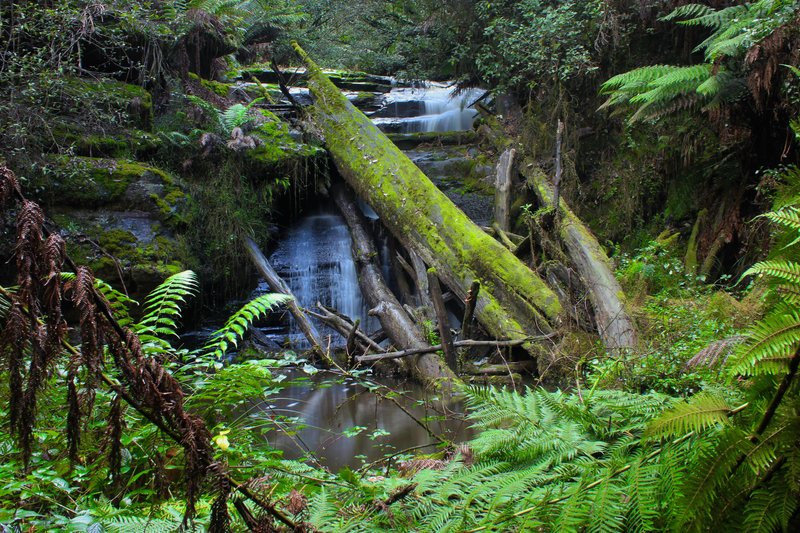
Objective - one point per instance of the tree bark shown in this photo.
(458, 344)
(277, 284)
(427, 368)
(592, 265)
(516, 303)
(441, 318)
(502, 186)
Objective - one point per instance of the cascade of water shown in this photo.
(315, 261)
(434, 108)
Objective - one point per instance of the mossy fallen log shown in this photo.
(514, 302)
(614, 325)
(412, 140)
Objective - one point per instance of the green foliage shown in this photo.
(236, 326)
(704, 411)
(655, 91)
(162, 309)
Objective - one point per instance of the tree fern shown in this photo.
(657, 90)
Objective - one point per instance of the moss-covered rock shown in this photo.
(129, 249)
(87, 182)
(132, 101)
(216, 87)
(126, 143)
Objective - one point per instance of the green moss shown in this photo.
(216, 87)
(117, 242)
(114, 95)
(126, 143)
(378, 170)
(170, 207)
(690, 259)
(277, 146)
(88, 181)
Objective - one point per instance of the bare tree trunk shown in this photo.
(593, 266)
(515, 302)
(502, 195)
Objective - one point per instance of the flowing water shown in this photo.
(432, 108)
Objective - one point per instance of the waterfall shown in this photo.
(434, 108)
(316, 262)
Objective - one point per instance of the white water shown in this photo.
(438, 109)
(314, 259)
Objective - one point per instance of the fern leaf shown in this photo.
(700, 412)
(237, 324)
(781, 269)
(717, 458)
(688, 11)
(770, 344)
(164, 303)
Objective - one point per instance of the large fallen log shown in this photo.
(592, 265)
(514, 303)
(427, 367)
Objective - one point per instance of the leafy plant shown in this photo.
(655, 91)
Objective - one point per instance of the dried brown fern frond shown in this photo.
(715, 353)
(13, 343)
(9, 186)
(220, 520)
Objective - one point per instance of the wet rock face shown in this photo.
(118, 217)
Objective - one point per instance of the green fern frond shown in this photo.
(688, 11)
(716, 459)
(643, 498)
(129, 523)
(781, 269)
(120, 303)
(236, 326)
(607, 513)
(788, 216)
(702, 411)
(162, 307)
(769, 509)
(770, 344)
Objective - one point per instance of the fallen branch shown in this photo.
(457, 344)
(276, 284)
(343, 326)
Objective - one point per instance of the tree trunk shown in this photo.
(515, 304)
(502, 185)
(427, 368)
(592, 265)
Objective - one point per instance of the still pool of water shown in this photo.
(348, 424)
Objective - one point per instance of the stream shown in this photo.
(345, 423)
